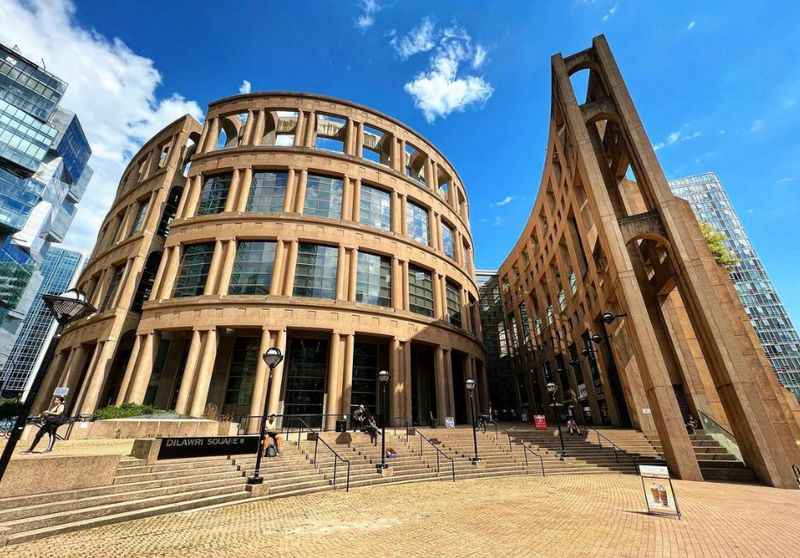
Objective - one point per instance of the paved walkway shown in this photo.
(522, 517)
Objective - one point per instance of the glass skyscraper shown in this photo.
(778, 335)
(43, 175)
(59, 270)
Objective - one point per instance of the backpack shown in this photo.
(271, 451)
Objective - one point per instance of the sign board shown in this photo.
(540, 421)
(60, 391)
(647, 411)
(449, 422)
(658, 492)
(583, 393)
(203, 446)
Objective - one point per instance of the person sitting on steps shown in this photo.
(52, 418)
(272, 434)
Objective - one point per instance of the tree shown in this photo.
(716, 243)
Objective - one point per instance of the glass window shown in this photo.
(242, 372)
(420, 291)
(453, 304)
(113, 285)
(374, 283)
(141, 214)
(214, 194)
(417, 222)
(448, 240)
(252, 270)
(376, 207)
(323, 196)
(315, 274)
(195, 263)
(267, 192)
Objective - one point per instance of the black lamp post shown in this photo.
(553, 389)
(383, 382)
(66, 307)
(272, 357)
(470, 384)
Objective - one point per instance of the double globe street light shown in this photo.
(67, 307)
(470, 385)
(272, 358)
(383, 383)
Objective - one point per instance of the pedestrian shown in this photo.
(52, 418)
(272, 434)
(691, 425)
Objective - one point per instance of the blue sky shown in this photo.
(716, 84)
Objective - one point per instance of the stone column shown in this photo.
(259, 396)
(359, 140)
(213, 270)
(353, 278)
(396, 380)
(248, 129)
(291, 188)
(436, 240)
(229, 251)
(170, 273)
(233, 191)
(82, 382)
(300, 197)
(211, 136)
(189, 372)
(258, 130)
(437, 296)
(398, 215)
(341, 275)
(97, 376)
(347, 199)
(347, 383)
(193, 195)
(126, 379)
(406, 305)
(403, 214)
(245, 183)
(441, 384)
(278, 269)
(299, 131)
(465, 315)
(407, 374)
(276, 385)
(311, 129)
(54, 371)
(397, 284)
(143, 370)
(291, 262)
(448, 375)
(357, 201)
(204, 373)
(334, 392)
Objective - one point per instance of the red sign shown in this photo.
(540, 421)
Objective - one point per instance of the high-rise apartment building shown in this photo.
(774, 328)
(59, 270)
(43, 175)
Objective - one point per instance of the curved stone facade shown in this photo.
(308, 223)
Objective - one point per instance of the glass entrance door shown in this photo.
(305, 381)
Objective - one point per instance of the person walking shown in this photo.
(52, 418)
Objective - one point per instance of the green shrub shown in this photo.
(9, 408)
(126, 410)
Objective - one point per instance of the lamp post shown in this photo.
(383, 382)
(552, 389)
(470, 384)
(66, 307)
(272, 358)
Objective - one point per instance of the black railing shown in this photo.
(439, 452)
(304, 427)
(404, 423)
(615, 447)
(525, 451)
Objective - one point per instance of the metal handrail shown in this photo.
(405, 426)
(525, 451)
(718, 425)
(614, 446)
(438, 452)
(336, 456)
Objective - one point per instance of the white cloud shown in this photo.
(786, 180)
(675, 137)
(610, 13)
(691, 25)
(111, 89)
(419, 39)
(498, 221)
(366, 18)
(440, 89)
(757, 126)
(505, 201)
(246, 87)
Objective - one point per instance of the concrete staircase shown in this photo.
(138, 490)
(716, 462)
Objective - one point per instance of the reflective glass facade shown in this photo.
(374, 280)
(60, 267)
(315, 274)
(775, 330)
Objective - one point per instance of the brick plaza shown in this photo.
(591, 515)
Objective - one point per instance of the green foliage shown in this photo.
(126, 410)
(9, 408)
(716, 243)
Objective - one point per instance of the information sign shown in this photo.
(658, 492)
(176, 448)
(540, 421)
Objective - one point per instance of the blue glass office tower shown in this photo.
(44, 172)
(59, 271)
(775, 330)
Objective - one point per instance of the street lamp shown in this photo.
(609, 317)
(552, 389)
(470, 384)
(383, 382)
(69, 306)
(272, 358)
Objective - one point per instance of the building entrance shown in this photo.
(369, 356)
(307, 372)
(423, 385)
(459, 389)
